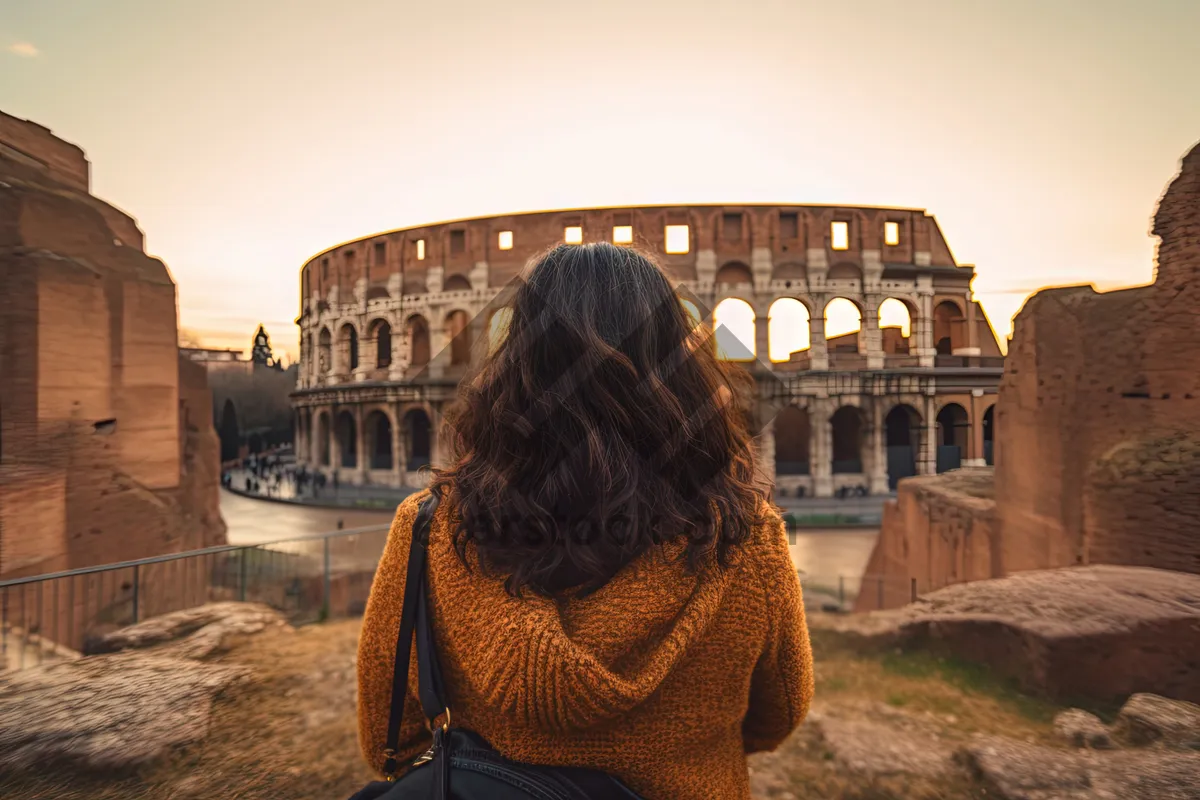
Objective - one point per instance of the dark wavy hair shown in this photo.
(601, 426)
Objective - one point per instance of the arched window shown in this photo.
(349, 342)
(383, 344)
(791, 430)
(734, 274)
(953, 428)
(847, 424)
(379, 440)
(323, 439)
(787, 328)
(733, 323)
(324, 352)
(903, 431)
(949, 328)
(418, 435)
(459, 334)
(418, 337)
(843, 324)
(347, 435)
(895, 322)
(456, 283)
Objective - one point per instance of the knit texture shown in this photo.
(663, 678)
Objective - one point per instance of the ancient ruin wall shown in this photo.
(105, 439)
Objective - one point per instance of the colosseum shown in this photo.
(859, 323)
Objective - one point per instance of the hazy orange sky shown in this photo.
(247, 135)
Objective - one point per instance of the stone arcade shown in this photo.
(912, 394)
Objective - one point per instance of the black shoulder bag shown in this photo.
(459, 764)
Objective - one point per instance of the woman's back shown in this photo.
(610, 586)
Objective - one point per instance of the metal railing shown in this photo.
(64, 614)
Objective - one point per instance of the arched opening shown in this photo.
(847, 424)
(383, 344)
(347, 437)
(308, 355)
(692, 311)
(459, 335)
(418, 338)
(418, 436)
(324, 352)
(379, 440)
(895, 325)
(734, 274)
(255, 443)
(953, 428)
(323, 439)
(787, 328)
(843, 324)
(456, 283)
(349, 346)
(989, 434)
(903, 431)
(228, 432)
(791, 441)
(733, 323)
(844, 272)
(949, 328)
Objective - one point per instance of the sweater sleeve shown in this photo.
(377, 650)
(781, 687)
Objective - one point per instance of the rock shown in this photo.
(1020, 771)
(203, 630)
(1081, 729)
(108, 712)
(882, 741)
(1099, 632)
(1149, 719)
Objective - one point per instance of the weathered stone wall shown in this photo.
(106, 446)
(36, 145)
(1096, 447)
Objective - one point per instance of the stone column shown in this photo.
(878, 476)
(335, 445)
(706, 267)
(360, 430)
(927, 465)
(974, 456)
(397, 447)
(818, 353)
(762, 337)
(821, 448)
(438, 341)
(871, 341)
(923, 326)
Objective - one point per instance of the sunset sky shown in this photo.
(246, 135)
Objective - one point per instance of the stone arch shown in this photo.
(953, 432)
(843, 325)
(895, 322)
(792, 431)
(458, 334)
(322, 433)
(418, 438)
(844, 271)
(848, 425)
(347, 436)
(949, 327)
(456, 283)
(229, 432)
(902, 438)
(255, 443)
(348, 344)
(735, 273)
(324, 351)
(379, 440)
(377, 292)
(733, 325)
(381, 334)
(418, 340)
(790, 271)
(788, 328)
(989, 435)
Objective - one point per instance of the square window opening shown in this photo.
(573, 234)
(891, 233)
(789, 225)
(622, 234)
(420, 249)
(458, 241)
(504, 240)
(839, 233)
(676, 239)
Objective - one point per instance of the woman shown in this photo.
(610, 587)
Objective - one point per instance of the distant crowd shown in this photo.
(270, 476)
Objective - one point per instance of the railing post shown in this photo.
(135, 594)
(242, 574)
(325, 599)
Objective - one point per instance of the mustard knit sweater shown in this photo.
(664, 679)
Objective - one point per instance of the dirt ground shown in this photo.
(290, 733)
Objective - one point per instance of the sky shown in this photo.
(247, 135)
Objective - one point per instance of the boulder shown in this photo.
(110, 712)
(1081, 729)
(1099, 632)
(1021, 771)
(197, 632)
(1147, 719)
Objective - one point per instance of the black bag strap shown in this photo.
(414, 617)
